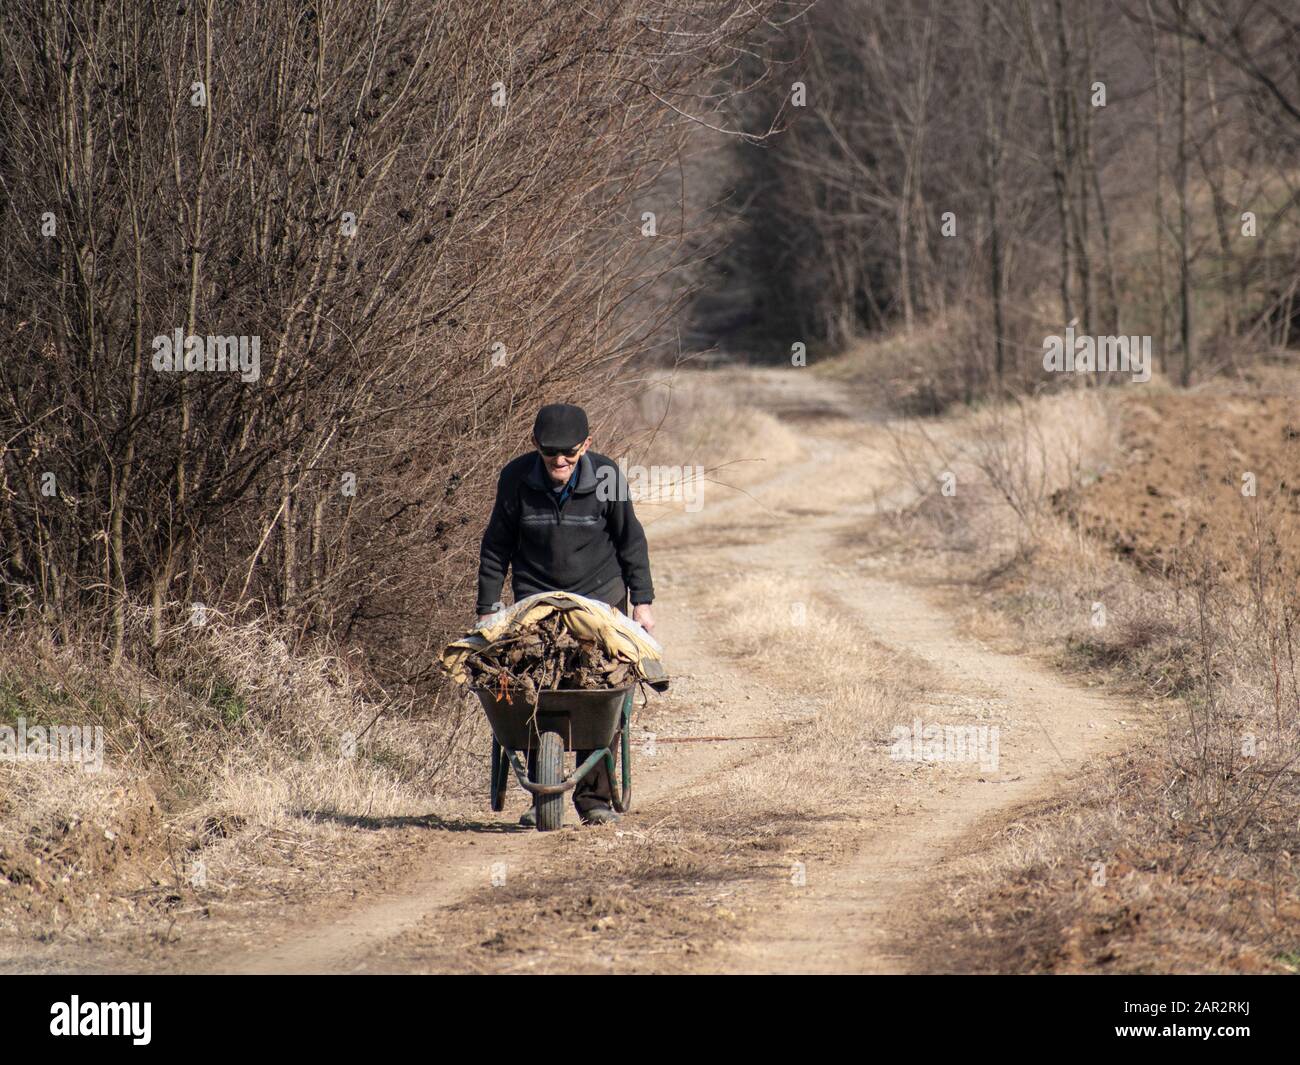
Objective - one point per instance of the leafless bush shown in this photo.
(1003, 466)
(1238, 753)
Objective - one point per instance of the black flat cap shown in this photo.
(560, 425)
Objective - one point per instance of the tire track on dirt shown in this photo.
(858, 916)
(459, 867)
(856, 913)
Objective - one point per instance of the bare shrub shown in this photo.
(430, 219)
(1193, 826)
(993, 476)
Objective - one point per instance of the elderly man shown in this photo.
(557, 526)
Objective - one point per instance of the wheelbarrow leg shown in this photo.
(500, 776)
(622, 796)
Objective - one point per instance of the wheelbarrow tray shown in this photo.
(586, 719)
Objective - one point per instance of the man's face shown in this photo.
(560, 466)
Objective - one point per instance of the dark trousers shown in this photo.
(595, 788)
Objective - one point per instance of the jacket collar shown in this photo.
(539, 478)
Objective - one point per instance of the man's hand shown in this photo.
(497, 607)
(642, 614)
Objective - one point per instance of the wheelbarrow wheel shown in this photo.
(550, 770)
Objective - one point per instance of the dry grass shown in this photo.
(992, 475)
(856, 687)
(701, 419)
(922, 372)
(230, 765)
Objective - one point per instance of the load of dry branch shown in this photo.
(545, 657)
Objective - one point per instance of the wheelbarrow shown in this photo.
(564, 720)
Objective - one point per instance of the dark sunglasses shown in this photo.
(555, 452)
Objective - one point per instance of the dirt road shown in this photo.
(687, 883)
